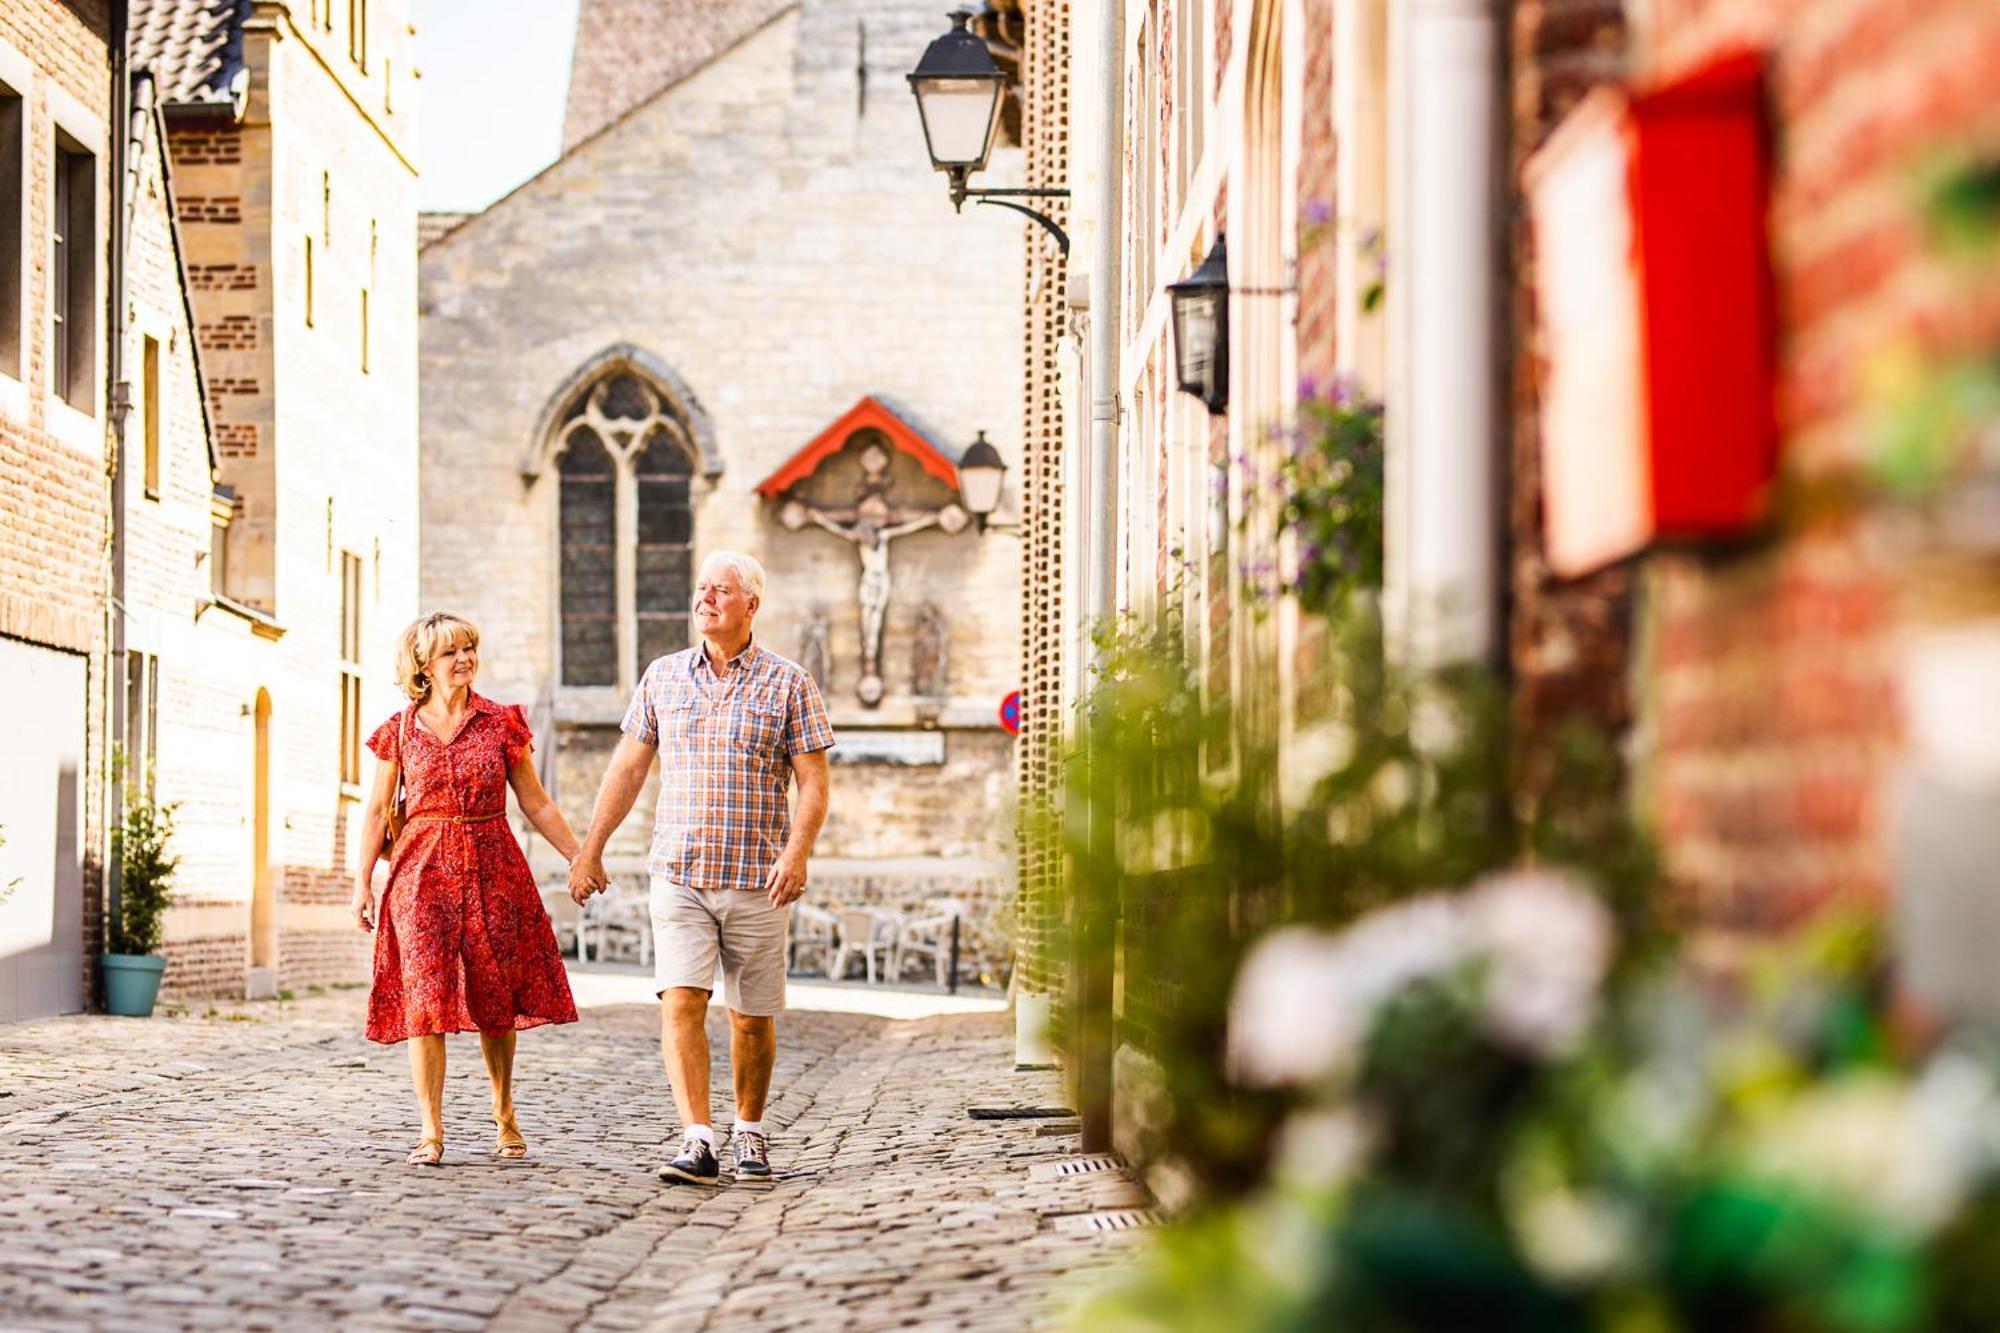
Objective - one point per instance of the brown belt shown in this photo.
(455, 819)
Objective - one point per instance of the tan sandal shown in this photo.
(428, 1152)
(509, 1143)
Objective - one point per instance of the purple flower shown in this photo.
(1318, 212)
(1344, 389)
(1308, 388)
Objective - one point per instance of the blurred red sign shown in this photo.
(1653, 278)
(1010, 713)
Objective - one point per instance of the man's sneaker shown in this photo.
(695, 1165)
(753, 1155)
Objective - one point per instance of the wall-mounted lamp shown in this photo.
(958, 88)
(1201, 330)
(980, 470)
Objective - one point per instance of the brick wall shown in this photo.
(1045, 74)
(1771, 696)
(1569, 641)
(54, 499)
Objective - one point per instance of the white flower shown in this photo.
(1548, 940)
(1861, 1141)
(1306, 999)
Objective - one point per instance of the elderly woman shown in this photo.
(462, 943)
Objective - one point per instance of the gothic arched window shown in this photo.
(589, 585)
(626, 527)
(664, 569)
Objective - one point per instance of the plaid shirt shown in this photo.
(725, 748)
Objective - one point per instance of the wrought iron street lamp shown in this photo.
(959, 88)
(979, 474)
(1201, 330)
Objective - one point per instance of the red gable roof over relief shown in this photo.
(904, 434)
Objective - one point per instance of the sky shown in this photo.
(495, 73)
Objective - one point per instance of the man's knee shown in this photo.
(683, 1002)
(753, 1025)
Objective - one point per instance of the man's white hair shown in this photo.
(748, 572)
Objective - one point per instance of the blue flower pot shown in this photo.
(131, 982)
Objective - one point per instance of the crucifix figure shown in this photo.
(871, 523)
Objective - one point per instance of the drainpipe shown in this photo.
(1091, 963)
(1446, 349)
(120, 406)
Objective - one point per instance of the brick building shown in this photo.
(55, 122)
(265, 607)
(738, 278)
(1784, 699)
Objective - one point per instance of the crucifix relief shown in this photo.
(871, 523)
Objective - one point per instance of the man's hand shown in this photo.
(586, 876)
(787, 880)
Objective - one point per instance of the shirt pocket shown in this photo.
(759, 727)
(680, 724)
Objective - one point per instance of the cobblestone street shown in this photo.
(243, 1168)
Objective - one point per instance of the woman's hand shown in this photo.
(363, 907)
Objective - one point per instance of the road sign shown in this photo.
(1010, 713)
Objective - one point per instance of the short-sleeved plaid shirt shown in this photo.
(725, 748)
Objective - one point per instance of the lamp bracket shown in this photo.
(999, 199)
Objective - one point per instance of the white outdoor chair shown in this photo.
(567, 918)
(926, 935)
(627, 914)
(814, 930)
(866, 931)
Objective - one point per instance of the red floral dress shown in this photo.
(462, 943)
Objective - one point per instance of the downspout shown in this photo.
(1092, 963)
(1445, 321)
(120, 405)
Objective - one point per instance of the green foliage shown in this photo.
(146, 870)
(1332, 483)
(1964, 206)
(1192, 836)
(1775, 1158)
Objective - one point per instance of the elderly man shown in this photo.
(734, 724)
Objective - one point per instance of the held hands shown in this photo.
(586, 876)
(787, 880)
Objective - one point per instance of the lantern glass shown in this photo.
(979, 475)
(960, 117)
(1200, 305)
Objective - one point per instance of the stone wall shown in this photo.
(54, 501)
(768, 232)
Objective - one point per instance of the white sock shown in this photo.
(702, 1132)
(749, 1127)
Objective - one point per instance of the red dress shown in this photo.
(462, 942)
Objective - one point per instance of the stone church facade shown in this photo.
(737, 313)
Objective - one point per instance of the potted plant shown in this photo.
(131, 970)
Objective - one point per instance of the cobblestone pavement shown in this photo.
(243, 1169)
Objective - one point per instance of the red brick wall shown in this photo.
(1772, 692)
(1319, 204)
(1569, 641)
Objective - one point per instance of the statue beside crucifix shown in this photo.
(871, 523)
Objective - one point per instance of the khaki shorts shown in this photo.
(694, 931)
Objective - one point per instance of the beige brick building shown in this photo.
(55, 82)
(734, 253)
(264, 647)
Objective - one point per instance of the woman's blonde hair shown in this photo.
(427, 636)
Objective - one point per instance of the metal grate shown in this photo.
(1114, 1219)
(1076, 1166)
